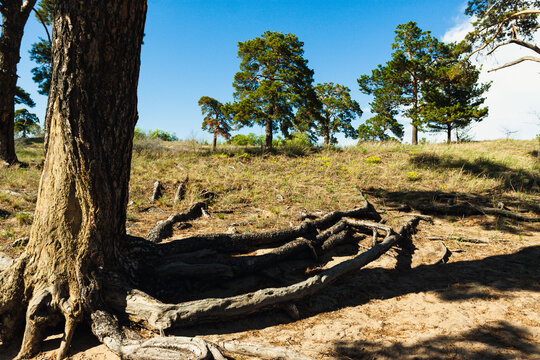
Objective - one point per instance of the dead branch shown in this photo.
(164, 229)
(517, 61)
(243, 242)
(457, 238)
(445, 256)
(525, 44)
(261, 351)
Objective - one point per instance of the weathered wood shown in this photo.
(262, 351)
(243, 242)
(446, 253)
(181, 190)
(147, 310)
(164, 228)
(157, 192)
(107, 330)
(5, 262)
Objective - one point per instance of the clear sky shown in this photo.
(190, 50)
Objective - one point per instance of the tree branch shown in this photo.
(525, 44)
(499, 28)
(43, 23)
(525, 58)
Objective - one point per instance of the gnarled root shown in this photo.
(156, 315)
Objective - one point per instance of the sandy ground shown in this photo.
(483, 304)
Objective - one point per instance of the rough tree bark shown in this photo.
(79, 222)
(14, 16)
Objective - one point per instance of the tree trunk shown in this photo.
(79, 222)
(326, 136)
(269, 133)
(449, 134)
(415, 109)
(214, 142)
(14, 17)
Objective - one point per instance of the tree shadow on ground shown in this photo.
(460, 280)
(500, 340)
(511, 179)
(397, 199)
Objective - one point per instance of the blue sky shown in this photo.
(190, 50)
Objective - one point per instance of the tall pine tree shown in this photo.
(274, 80)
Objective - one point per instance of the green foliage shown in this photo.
(244, 140)
(26, 122)
(41, 53)
(383, 84)
(22, 97)
(452, 96)
(45, 11)
(139, 133)
(397, 85)
(162, 135)
(216, 120)
(503, 22)
(274, 81)
(376, 127)
(337, 112)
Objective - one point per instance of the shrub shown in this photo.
(163, 135)
(244, 140)
(412, 176)
(373, 160)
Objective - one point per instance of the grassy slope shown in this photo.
(269, 191)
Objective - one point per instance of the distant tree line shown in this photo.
(431, 83)
(427, 81)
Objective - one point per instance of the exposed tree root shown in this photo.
(469, 210)
(156, 315)
(207, 260)
(164, 228)
(181, 190)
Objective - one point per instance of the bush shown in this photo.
(299, 145)
(162, 135)
(244, 140)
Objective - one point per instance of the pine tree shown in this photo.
(338, 111)
(26, 122)
(452, 98)
(274, 80)
(503, 22)
(215, 121)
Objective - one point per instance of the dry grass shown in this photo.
(269, 190)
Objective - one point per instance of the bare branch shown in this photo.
(43, 23)
(511, 63)
(525, 44)
(513, 16)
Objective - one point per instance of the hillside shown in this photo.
(483, 303)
